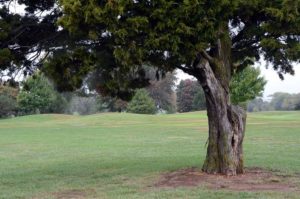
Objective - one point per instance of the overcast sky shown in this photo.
(290, 84)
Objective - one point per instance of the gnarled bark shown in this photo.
(226, 125)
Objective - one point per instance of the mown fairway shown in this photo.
(123, 155)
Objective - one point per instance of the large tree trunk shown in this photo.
(226, 127)
(226, 121)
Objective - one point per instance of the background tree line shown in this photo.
(279, 101)
(37, 94)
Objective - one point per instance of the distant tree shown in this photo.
(185, 96)
(284, 101)
(161, 90)
(8, 101)
(258, 104)
(189, 96)
(246, 85)
(199, 100)
(297, 101)
(141, 103)
(39, 96)
(297, 107)
(278, 100)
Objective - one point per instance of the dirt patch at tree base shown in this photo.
(254, 179)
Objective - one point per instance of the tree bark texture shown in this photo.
(226, 121)
(226, 127)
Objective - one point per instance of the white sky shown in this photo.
(290, 84)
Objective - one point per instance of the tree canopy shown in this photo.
(144, 31)
(28, 37)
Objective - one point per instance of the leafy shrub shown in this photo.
(39, 96)
(246, 85)
(141, 103)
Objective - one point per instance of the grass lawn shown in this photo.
(123, 155)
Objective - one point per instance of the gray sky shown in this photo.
(290, 84)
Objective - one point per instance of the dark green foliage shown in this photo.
(27, 39)
(146, 30)
(246, 85)
(39, 96)
(68, 69)
(141, 103)
(8, 101)
(190, 96)
(116, 81)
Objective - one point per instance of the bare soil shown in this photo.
(254, 179)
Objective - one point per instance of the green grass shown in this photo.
(122, 155)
